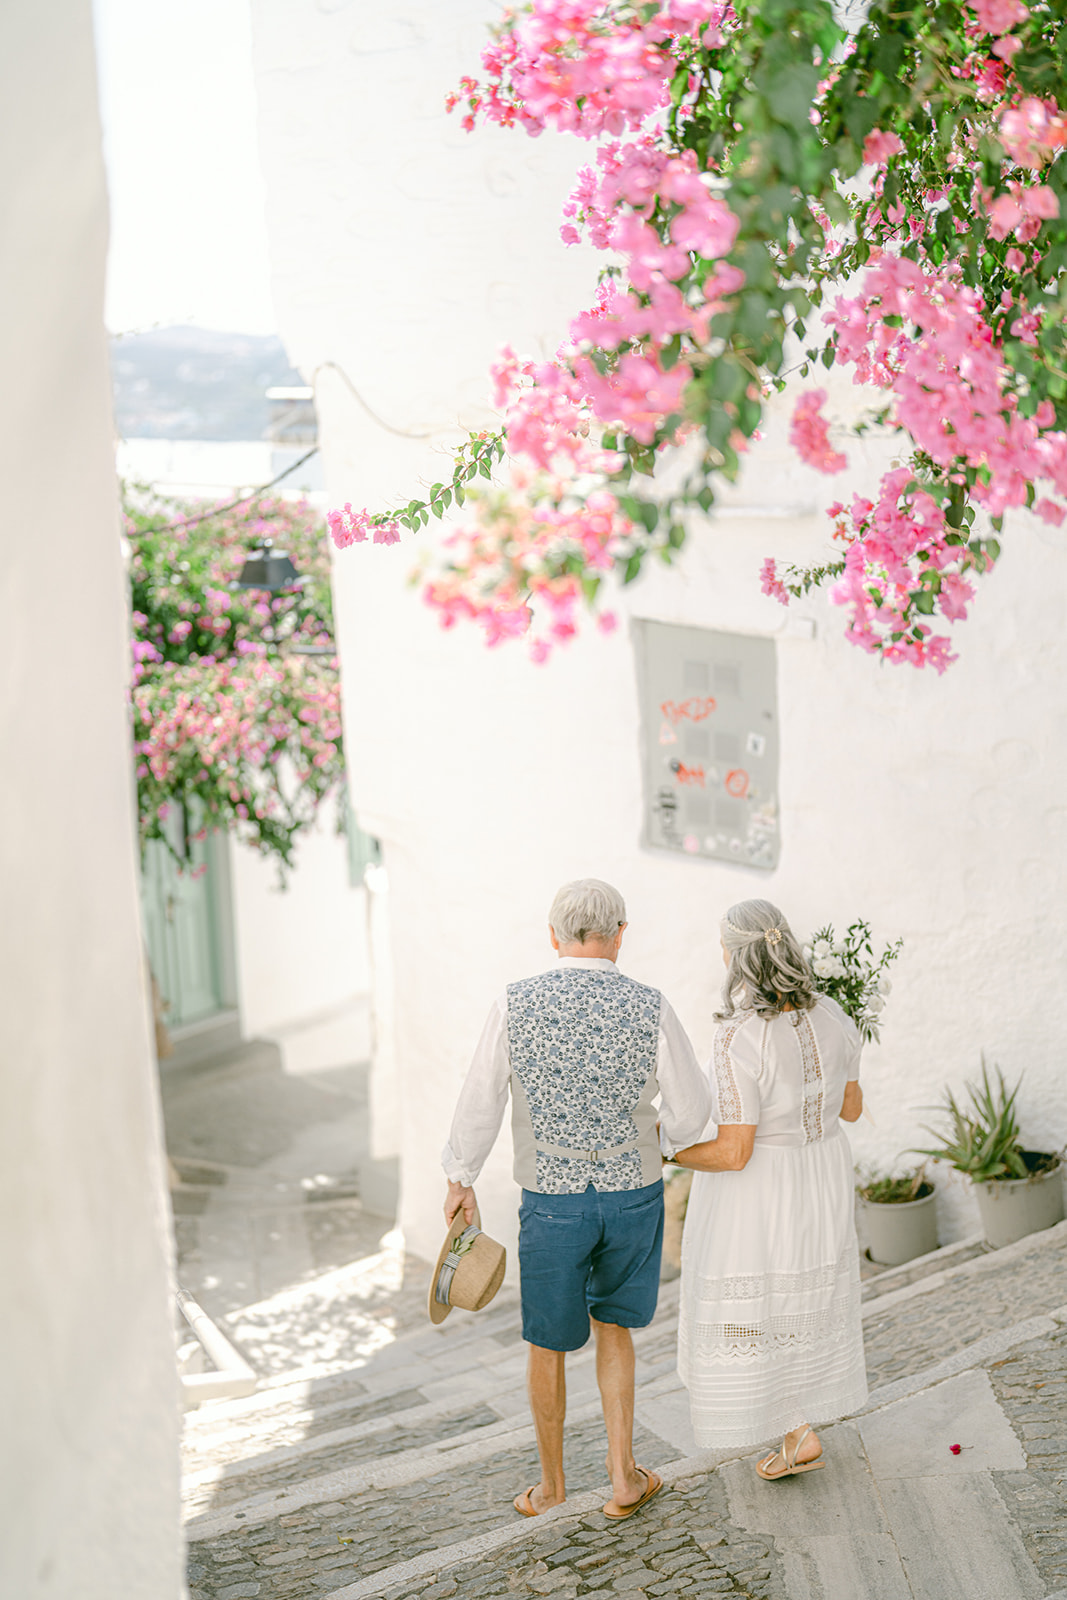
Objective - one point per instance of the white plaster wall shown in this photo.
(302, 948)
(406, 252)
(88, 1387)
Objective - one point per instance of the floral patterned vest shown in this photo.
(583, 1051)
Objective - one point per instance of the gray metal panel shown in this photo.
(709, 742)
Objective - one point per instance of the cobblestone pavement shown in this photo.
(1031, 1386)
(351, 1538)
(683, 1544)
(372, 1447)
(916, 1333)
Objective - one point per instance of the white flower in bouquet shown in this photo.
(847, 971)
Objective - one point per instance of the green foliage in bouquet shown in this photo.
(849, 973)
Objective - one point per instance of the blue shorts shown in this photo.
(592, 1254)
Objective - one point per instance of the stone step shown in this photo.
(466, 1358)
(281, 1481)
(354, 1524)
(907, 1329)
(710, 1533)
(885, 1280)
(309, 1448)
(468, 1377)
(224, 1483)
(897, 1515)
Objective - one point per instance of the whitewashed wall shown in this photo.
(405, 252)
(302, 948)
(88, 1387)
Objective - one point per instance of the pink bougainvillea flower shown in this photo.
(347, 526)
(998, 16)
(1039, 201)
(878, 147)
(770, 582)
(1005, 215)
(1007, 47)
(809, 433)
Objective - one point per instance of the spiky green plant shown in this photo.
(983, 1140)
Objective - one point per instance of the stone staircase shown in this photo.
(394, 1476)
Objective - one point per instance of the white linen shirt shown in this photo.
(685, 1096)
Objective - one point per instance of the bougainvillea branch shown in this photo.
(775, 195)
(235, 695)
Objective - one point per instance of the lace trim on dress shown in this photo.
(813, 1079)
(730, 1109)
(754, 1285)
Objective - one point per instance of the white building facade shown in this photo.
(89, 1390)
(405, 252)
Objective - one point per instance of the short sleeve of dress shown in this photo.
(853, 1039)
(736, 1069)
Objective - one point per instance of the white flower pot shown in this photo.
(1013, 1207)
(899, 1230)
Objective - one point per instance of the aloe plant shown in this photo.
(983, 1140)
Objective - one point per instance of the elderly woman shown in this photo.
(770, 1338)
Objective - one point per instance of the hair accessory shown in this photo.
(773, 935)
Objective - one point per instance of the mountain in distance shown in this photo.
(196, 383)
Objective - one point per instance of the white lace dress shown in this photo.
(769, 1330)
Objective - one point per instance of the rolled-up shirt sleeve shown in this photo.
(685, 1097)
(482, 1101)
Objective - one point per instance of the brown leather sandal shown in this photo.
(524, 1504)
(655, 1484)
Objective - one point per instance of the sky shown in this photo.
(177, 100)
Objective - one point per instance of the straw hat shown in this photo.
(469, 1270)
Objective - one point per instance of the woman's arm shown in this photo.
(852, 1104)
(729, 1151)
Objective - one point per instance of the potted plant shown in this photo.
(1019, 1191)
(898, 1216)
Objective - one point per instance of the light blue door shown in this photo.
(187, 924)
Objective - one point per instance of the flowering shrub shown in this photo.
(228, 721)
(847, 971)
(749, 162)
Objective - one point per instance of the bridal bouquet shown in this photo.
(846, 970)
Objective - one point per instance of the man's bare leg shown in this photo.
(547, 1387)
(615, 1377)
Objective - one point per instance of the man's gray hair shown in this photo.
(586, 909)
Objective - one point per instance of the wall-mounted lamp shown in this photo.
(270, 569)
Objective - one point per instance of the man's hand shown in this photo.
(460, 1197)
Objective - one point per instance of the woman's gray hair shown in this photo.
(586, 909)
(767, 969)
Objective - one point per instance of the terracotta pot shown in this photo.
(899, 1230)
(1013, 1207)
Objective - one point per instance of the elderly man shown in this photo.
(583, 1051)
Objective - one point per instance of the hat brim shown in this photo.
(436, 1311)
